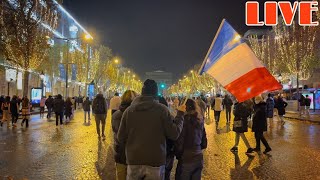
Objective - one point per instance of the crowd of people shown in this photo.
(150, 131)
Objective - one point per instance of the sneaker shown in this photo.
(250, 150)
(234, 149)
(267, 150)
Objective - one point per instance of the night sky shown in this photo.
(169, 35)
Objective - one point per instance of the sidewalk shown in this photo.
(314, 116)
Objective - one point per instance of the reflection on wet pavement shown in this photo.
(75, 152)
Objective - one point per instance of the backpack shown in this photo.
(240, 110)
(99, 106)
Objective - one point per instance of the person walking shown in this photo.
(2, 100)
(68, 109)
(87, 108)
(302, 105)
(49, 104)
(227, 104)
(281, 106)
(42, 105)
(58, 108)
(217, 107)
(100, 109)
(25, 111)
(269, 108)
(202, 106)
(190, 144)
(307, 103)
(259, 125)
(115, 103)
(119, 149)
(241, 113)
(14, 109)
(5, 107)
(144, 129)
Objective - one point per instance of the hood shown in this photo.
(143, 103)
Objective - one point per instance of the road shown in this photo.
(74, 152)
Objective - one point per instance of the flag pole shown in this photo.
(211, 46)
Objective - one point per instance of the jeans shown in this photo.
(217, 116)
(169, 166)
(189, 171)
(100, 118)
(14, 118)
(302, 110)
(59, 114)
(307, 111)
(85, 115)
(259, 137)
(121, 171)
(243, 137)
(136, 172)
(49, 112)
(228, 114)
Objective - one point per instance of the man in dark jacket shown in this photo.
(144, 127)
(58, 108)
(227, 104)
(100, 109)
(49, 104)
(260, 124)
(308, 103)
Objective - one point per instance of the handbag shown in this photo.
(237, 123)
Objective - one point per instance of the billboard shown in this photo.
(36, 94)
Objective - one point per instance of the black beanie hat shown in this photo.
(150, 88)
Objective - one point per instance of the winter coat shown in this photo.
(49, 103)
(259, 120)
(14, 107)
(144, 128)
(270, 107)
(99, 105)
(227, 103)
(119, 149)
(58, 105)
(307, 102)
(68, 110)
(193, 138)
(217, 104)
(241, 113)
(86, 105)
(281, 106)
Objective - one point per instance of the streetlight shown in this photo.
(42, 76)
(116, 61)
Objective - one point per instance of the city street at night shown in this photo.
(74, 152)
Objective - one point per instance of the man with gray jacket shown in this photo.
(144, 128)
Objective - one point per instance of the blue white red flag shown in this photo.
(235, 66)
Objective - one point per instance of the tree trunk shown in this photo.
(26, 83)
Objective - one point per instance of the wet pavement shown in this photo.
(74, 152)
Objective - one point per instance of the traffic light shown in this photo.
(162, 86)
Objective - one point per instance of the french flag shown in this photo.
(234, 65)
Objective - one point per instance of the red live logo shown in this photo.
(287, 9)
